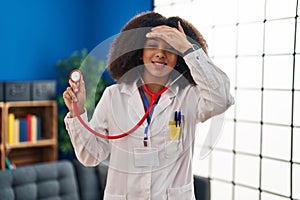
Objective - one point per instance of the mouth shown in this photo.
(159, 65)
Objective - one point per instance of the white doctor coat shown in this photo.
(163, 169)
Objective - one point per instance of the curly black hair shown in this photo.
(127, 49)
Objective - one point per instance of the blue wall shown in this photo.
(34, 35)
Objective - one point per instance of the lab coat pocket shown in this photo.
(173, 140)
(146, 157)
(108, 196)
(185, 192)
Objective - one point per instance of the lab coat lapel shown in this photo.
(135, 105)
(165, 100)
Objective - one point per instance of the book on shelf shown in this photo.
(24, 129)
(11, 132)
(29, 125)
(39, 128)
(33, 125)
(16, 131)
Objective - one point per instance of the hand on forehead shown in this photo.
(173, 36)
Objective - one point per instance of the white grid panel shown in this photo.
(257, 44)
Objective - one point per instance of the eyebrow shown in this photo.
(152, 39)
(156, 40)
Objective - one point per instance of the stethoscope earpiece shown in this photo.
(75, 76)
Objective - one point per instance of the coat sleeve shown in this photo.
(90, 149)
(213, 85)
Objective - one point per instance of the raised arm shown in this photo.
(89, 149)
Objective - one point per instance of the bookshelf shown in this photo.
(43, 149)
(2, 152)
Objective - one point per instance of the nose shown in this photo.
(161, 53)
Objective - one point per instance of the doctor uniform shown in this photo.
(163, 169)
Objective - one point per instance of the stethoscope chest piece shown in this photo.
(75, 75)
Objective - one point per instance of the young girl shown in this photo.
(153, 54)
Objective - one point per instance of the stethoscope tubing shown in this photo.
(147, 112)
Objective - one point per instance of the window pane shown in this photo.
(296, 109)
(245, 194)
(247, 170)
(267, 196)
(220, 190)
(251, 10)
(202, 131)
(277, 107)
(296, 145)
(229, 113)
(201, 13)
(248, 105)
(276, 176)
(278, 72)
(228, 66)
(249, 72)
(200, 165)
(208, 134)
(222, 165)
(225, 11)
(159, 4)
(296, 181)
(250, 39)
(276, 142)
(280, 9)
(165, 10)
(226, 137)
(279, 37)
(248, 138)
(225, 41)
(298, 36)
(181, 9)
(208, 34)
(297, 69)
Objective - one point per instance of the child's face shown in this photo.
(159, 58)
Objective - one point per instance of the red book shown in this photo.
(28, 117)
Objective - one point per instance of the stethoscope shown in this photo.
(75, 77)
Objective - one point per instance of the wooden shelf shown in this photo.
(24, 153)
(2, 151)
(40, 143)
(30, 103)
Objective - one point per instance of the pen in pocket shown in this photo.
(176, 118)
(179, 118)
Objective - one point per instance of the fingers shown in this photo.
(180, 27)
(70, 95)
(167, 33)
(163, 29)
(173, 36)
(161, 26)
(77, 86)
(74, 86)
(169, 28)
(71, 92)
(163, 33)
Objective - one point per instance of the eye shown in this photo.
(170, 49)
(151, 45)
